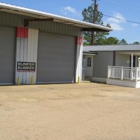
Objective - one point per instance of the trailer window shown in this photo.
(88, 61)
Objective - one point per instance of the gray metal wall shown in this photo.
(7, 54)
(121, 60)
(63, 40)
(59, 28)
(101, 62)
(56, 55)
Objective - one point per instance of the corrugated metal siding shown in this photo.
(56, 28)
(7, 54)
(27, 52)
(11, 19)
(55, 58)
(53, 27)
(32, 53)
(121, 60)
(101, 62)
(21, 55)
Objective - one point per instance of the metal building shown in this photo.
(38, 47)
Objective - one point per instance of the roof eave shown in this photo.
(40, 14)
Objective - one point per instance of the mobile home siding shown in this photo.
(48, 26)
(121, 60)
(101, 62)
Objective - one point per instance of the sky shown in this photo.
(113, 10)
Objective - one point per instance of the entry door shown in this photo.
(83, 68)
(89, 66)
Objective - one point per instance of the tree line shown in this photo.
(100, 38)
(109, 41)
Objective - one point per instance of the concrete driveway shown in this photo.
(86, 111)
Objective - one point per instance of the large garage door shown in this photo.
(55, 58)
(7, 49)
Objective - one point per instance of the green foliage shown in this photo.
(88, 16)
(101, 41)
(86, 44)
(107, 41)
(100, 38)
(123, 42)
(136, 43)
(112, 40)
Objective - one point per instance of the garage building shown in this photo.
(38, 47)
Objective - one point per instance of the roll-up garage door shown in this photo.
(55, 58)
(7, 51)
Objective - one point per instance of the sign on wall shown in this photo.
(26, 66)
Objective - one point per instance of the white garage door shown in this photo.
(7, 51)
(56, 56)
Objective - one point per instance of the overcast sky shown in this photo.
(120, 9)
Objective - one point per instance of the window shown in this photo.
(88, 61)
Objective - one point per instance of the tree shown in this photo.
(101, 41)
(107, 41)
(101, 34)
(123, 42)
(88, 16)
(136, 42)
(112, 40)
(86, 44)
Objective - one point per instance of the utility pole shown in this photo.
(95, 7)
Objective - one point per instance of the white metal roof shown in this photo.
(40, 15)
(112, 48)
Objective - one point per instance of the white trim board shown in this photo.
(124, 83)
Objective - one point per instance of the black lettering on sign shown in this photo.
(26, 66)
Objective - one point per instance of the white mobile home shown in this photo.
(113, 64)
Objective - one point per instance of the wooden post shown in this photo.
(32, 80)
(131, 66)
(79, 80)
(136, 74)
(122, 73)
(18, 80)
(108, 72)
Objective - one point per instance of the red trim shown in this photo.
(22, 32)
(26, 33)
(79, 41)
